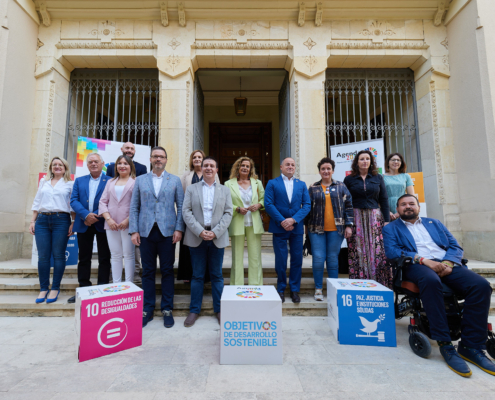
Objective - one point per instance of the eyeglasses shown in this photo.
(159, 157)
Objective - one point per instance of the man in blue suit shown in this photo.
(156, 227)
(84, 201)
(287, 203)
(437, 259)
(129, 150)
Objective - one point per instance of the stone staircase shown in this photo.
(19, 286)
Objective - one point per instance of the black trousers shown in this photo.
(477, 294)
(85, 242)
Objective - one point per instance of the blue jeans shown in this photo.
(325, 247)
(205, 253)
(296, 258)
(51, 237)
(153, 246)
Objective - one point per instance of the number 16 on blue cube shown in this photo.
(361, 312)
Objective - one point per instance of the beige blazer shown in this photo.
(192, 213)
(186, 179)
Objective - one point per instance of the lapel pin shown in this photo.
(430, 222)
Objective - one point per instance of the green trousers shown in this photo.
(255, 271)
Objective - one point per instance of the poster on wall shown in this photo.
(343, 155)
(419, 191)
(109, 151)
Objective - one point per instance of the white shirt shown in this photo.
(424, 243)
(93, 188)
(208, 195)
(53, 199)
(157, 182)
(246, 197)
(118, 191)
(289, 186)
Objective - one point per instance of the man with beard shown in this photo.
(157, 227)
(436, 260)
(129, 150)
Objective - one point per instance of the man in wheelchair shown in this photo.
(437, 259)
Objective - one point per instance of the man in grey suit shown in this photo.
(207, 212)
(156, 227)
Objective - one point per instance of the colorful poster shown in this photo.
(419, 190)
(108, 150)
(344, 154)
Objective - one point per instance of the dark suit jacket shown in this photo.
(79, 201)
(140, 169)
(279, 208)
(398, 240)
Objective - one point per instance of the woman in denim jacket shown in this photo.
(330, 220)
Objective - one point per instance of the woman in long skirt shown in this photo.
(371, 213)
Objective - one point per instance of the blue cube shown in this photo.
(361, 312)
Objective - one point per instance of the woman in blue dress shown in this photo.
(397, 182)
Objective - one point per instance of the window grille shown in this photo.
(117, 105)
(371, 104)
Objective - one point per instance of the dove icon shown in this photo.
(371, 326)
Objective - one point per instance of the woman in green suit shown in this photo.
(248, 199)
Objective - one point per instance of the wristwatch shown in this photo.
(238, 209)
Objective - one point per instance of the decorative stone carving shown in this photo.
(296, 128)
(108, 46)
(309, 43)
(393, 45)
(319, 14)
(182, 14)
(164, 13)
(437, 19)
(302, 14)
(310, 61)
(174, 43)
(188, 133)
(173, 61)
(38, 63)
(49, 126)
(445, 60)
(45, 16)
(241, 46)
(39, 45)
(436, 143)
(227, 32)
(445, 43)
(377, 30)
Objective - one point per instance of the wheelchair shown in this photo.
(407, 302)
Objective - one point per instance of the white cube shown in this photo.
(251, 326)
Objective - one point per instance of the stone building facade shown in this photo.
(443, 44)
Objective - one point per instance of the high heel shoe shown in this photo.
(42, 299)
(48, 301)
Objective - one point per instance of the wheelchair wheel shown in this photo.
(490, 347)
(420, 344)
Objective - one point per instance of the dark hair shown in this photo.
(159, 148)
(407, 195)
(209, 158)
(128, 160)
(403, 166)
(355, 168)
(326, 160)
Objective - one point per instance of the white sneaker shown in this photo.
(319, 294)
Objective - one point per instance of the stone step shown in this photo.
(24, 306)
(69, 285)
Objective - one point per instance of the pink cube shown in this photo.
(108, 319)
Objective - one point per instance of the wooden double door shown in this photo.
(229, 141)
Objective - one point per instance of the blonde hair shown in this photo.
(49, 173)
(234, 172)
(191, 158)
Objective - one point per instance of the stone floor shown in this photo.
(38, 361)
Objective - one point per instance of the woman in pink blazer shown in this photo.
(115, 204)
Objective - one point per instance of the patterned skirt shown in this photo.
(366, 253)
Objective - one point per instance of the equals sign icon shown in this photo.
(111, 333)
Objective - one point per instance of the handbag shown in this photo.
(307, 247)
